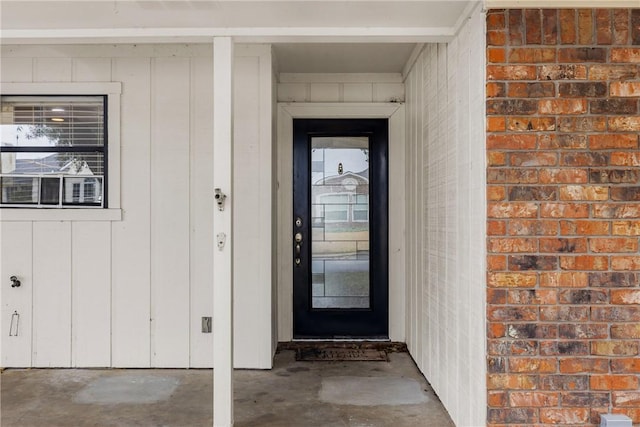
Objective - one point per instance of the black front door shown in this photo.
(340, 241)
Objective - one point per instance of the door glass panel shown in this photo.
(340, 222)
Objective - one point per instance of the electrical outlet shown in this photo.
(206, 325)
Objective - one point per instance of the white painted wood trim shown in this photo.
(412, 60)
(62, 88)
(223, 223)
(285, 223)
(113, 51)
(339, 110)
(466, 15)
(79, 214)
(113, 147)
(240, 34)
(559, 4)
(340, 78)
(395, 113)
(397, 247)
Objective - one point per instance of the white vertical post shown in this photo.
(223, 232)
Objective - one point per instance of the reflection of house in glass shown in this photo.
(342, 201)
(59, 178)
(340, 222)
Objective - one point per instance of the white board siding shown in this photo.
(357, 92)
(201, 212)
(170, 274)
(91, 294)
(131, 237)
(91, 70)
(355, 87)
(324, 92)
(16, 69)
(52, 70)
(246, 174)
(445, 180)
(51, 294)
(156, 261)
(253, 205)
(16, 250)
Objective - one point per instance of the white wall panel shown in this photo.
(91, 294)
(170, 219)
(16, 260)
(345, 87)
(252, 208)
(131, 238)
(324, 92)
(445, 172)
(292, 92)
(201, 230)
(91, 69)
(357, 92)
(16, 69)
(388, 92)
(52, 70)
(52, 294)
(152, 264)
(247, 209)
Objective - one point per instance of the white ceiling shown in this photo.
(69, 14)
(319, 36)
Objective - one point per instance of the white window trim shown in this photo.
(112, 90)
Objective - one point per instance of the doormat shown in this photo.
(336, 354)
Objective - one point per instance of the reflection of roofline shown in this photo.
(50, 164)
(344, 175)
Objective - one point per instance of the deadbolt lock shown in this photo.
(298, 239)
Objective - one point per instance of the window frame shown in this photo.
(112, 92)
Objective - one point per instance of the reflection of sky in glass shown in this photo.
(16, 135)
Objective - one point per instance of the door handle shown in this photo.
(298, 247)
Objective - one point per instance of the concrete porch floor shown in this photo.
(292, 394)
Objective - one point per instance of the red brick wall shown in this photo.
(563, 297)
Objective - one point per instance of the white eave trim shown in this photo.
(63, 88)
(353, 110)
(70, 214)
(560, 4)
(240, 35)
(340, 78)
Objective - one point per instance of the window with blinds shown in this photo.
(53, 151)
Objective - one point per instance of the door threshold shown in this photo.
(365, 343)
(341, 340)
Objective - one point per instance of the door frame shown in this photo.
(284, 157)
